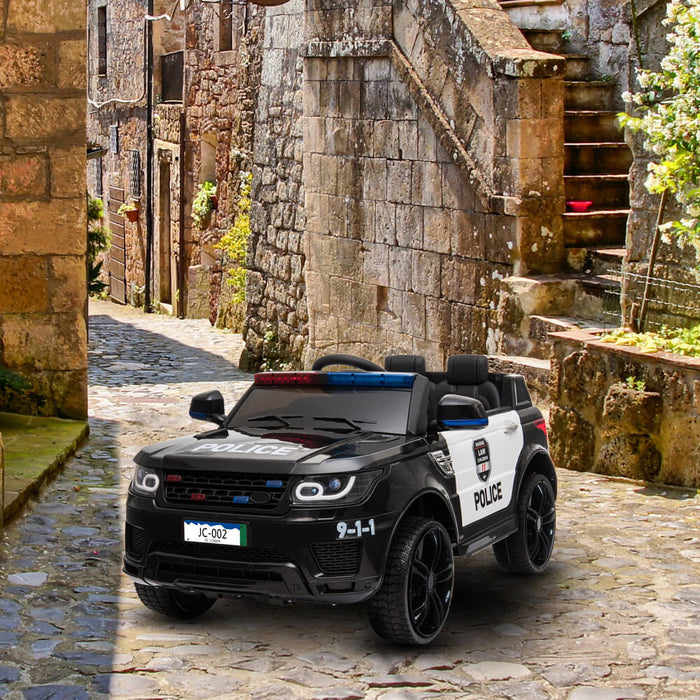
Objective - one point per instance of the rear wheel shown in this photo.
(528, 550)
(172, 603)
(413, 602)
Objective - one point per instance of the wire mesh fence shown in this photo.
(670, 304)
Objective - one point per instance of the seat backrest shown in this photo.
(468, 375)
(405, 363)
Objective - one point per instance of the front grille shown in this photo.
(338, 558)
(220, 552)
(169, 571)
(223, 491)
(135, 541)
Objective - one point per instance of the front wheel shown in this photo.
(172, 603)
(528, 550)
(413, 602)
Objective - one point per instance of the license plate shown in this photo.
(216, 533)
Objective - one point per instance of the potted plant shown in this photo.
(204, 202)
(130, 211)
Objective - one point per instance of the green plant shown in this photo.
(126, 207)
(234, 242)
(635, 384)
(566, 35)
(10, 380)
(670, 118)
(98, 241)
(679, 341)
(202, 204)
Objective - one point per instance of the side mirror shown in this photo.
(208, 406)
(456, 411)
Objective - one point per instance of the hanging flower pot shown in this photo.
(132, 215)
(214, 199)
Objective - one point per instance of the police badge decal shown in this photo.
(483, 459)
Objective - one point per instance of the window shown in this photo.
(171, 70)
(226, 12)
(102, 40)
(135, 180)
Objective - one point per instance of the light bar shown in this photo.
(388, 380)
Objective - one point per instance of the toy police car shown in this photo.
(345, 486)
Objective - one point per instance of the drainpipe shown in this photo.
(149, 156)
(181, 243)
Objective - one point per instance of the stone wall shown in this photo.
(43, 287)
(618, 411)
(276, 329)
(117, 101)
(220, 101)
(672, 301)
(431, 171)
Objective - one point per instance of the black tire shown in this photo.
(528, 550)
(172, 603)
(414, 600)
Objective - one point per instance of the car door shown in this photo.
(484, 461)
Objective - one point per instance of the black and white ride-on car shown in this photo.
(345, 486)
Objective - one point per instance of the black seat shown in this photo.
(468, 375)
(405, 363)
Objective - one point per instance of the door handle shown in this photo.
(510, 427)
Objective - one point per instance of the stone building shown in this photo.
(169, 103)
(43, 287)
(411, 167)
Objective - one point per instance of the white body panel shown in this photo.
(481, 496)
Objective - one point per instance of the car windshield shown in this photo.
(338, 409)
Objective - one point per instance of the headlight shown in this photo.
(339, 489)
(145, 481)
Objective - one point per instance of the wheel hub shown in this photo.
(539, 524)
(431, 582)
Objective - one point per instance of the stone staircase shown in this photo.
(596, 165)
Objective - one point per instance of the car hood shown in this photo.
(282, 452)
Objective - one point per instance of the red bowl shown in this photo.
(578, 206)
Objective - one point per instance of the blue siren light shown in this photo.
(387, 380)
(466, 422)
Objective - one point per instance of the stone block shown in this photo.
(401, 104)
(437, 320)
(534, 138)
(72, 61)
(413, 314)
(374, 99)
(427, 273)
(375, 262)
(426, 184)
(361, 219)
(375, 174)
(341, 297)
(25, 175)
(364, 303)
(427, 141)
(459, 279)
(437, 229)
(23, 66)
(198, 290)
(385, 222)
(34, 342)
(456, 191)
(24, 285)
(632, 456)
(312, 98)
(408, 139)
(470, 233)
(56, 227)
(400, 268)
(571, 439)
(385, 139)
(632, 410)
(350, 174)
(39, 119)
(409, 226)
(349, 99)
(337, 219)
(398, 184)
(68, 171)
(46, 17)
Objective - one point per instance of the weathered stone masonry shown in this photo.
(431, 171)
(43, 334)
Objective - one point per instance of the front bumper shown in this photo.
(295, 557)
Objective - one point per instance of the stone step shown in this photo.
(605, 191)
(595, 228)
(577, 66)
(547, 40)
(589, 95)
(535, 370)
(585, 126)
(597, 158)
(596, 261)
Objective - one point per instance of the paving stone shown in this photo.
(8, 674)
(30, 578)
(616, 615)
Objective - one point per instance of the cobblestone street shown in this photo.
(616, 615)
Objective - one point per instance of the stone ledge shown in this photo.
(35, 448)
(347, 49)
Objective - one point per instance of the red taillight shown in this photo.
(541, 425)
(289, 379)
(198, 496)
(174, 478)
